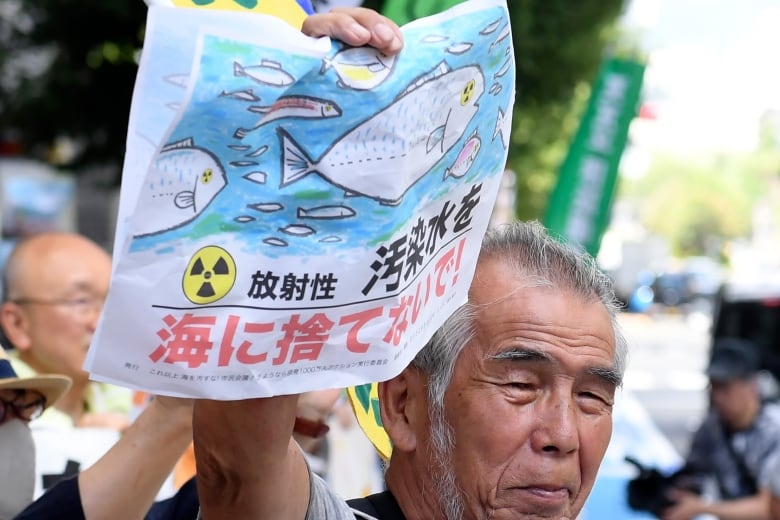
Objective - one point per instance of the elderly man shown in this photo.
(736, 442)
(506, 413)
(54, 286)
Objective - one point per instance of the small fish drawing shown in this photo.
(330, 212)
(266, 207)
(299, 107)
(242, 164)
(491, 27)
(359, 68)
(298, 230)
(503, 35)
(402, 142)
(256, 177)
(243, 95)
(260, 151)
(181, 182)
(459, 48)
(465, 157)
(504, 68)
(268, 72)
(274, 241)
(434, 38)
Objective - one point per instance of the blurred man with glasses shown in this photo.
(21, 400)
(54, 286)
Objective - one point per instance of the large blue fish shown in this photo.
(401, 143)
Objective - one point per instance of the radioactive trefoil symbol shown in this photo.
(209, 276)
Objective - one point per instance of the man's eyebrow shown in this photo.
(610, 375)
(523, 354)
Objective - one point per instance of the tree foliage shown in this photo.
(85, 91)
(700, 203)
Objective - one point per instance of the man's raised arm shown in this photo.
(248, 466)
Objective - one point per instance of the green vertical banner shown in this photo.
(580, 203)
(403, 11)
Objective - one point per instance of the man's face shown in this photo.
(736, 401)
(60, 302)
(530, 402)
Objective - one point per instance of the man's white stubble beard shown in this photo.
(444, 481)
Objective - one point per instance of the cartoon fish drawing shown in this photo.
(260, 151)
(181, 182)
(359, 68)
(299, 230)
(242, 95)
(266, 207)
(465, 157)
(300, 107)
(328, 212)
(402, 142)
(274, 241)
(459, 48)
(268, 72)
(434, 38)
(504, 68)
(241, 164)
(256, 177)
(491, 27)
(503, 35)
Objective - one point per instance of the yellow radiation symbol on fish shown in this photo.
(207, 175)
(468, 92)
(365, 403)
(210, 275)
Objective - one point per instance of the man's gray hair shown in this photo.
(534, 254)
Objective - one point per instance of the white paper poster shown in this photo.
(296, 214)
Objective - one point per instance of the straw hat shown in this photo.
(51, 386)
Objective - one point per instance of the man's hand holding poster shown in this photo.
(297, 214)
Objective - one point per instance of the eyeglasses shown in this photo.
(26, 405)
(81, 306)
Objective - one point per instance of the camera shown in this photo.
(649, 491)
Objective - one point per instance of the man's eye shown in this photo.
(596, 399)
(519, 385)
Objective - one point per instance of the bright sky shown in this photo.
(713, 69)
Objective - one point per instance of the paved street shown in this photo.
(665, 370)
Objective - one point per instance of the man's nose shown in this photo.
(556, 430)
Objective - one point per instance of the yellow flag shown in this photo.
(365, 403)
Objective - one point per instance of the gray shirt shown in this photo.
(755, 448)
(325, 504)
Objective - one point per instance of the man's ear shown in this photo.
(403, 405)
(14, 324)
